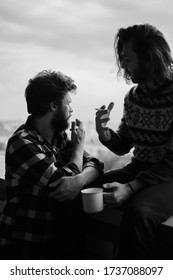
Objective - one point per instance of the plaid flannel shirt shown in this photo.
(32, 165)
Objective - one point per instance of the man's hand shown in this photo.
(77, 133)
(120, 193)
(102, 117)
(67, 188)
(77, 139)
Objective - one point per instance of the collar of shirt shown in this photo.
(58, 141)
(161, 90)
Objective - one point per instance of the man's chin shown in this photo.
(60, 127)
(61, 124)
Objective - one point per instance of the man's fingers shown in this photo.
(73, 126)
(101, 120)
(111, 106)
(108, 198)
(107, 186)
(102, 107)
(79, 123)
(101, 112)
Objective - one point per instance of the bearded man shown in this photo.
(45, 172)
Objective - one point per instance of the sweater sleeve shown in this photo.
(118, 144)
(90, 161)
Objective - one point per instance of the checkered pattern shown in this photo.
(32, 169)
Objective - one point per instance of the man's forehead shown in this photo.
(67, 97)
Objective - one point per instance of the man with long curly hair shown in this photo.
(144, 187)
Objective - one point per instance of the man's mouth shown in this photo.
(69, 116)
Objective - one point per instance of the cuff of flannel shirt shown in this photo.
(95, 163)
(71, 169)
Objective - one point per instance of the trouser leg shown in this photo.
(70, 230)
(142, 216)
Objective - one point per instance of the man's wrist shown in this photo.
(81, 179)
(106, 135)
(78, 147)
(136, 185)
(130, 187)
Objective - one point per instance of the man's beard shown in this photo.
(140, 75)
(60, 122)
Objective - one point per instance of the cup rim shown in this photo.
(92, 191)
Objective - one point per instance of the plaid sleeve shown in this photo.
(28, 162)
(90, 161)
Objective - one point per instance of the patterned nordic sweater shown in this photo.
(147, 126)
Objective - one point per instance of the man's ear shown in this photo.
(53, 106)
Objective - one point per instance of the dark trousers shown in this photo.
(71, 229)
(143, 214)
(68, 242)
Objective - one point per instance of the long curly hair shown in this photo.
(150, 45)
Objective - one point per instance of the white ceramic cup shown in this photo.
(92, 199)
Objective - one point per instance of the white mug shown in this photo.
(92, 199)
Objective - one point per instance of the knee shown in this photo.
(139, 215)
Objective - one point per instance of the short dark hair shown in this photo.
(149, 44)
(45, 87)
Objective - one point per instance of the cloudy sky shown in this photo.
(74, 37)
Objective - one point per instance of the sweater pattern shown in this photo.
(148, 122)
